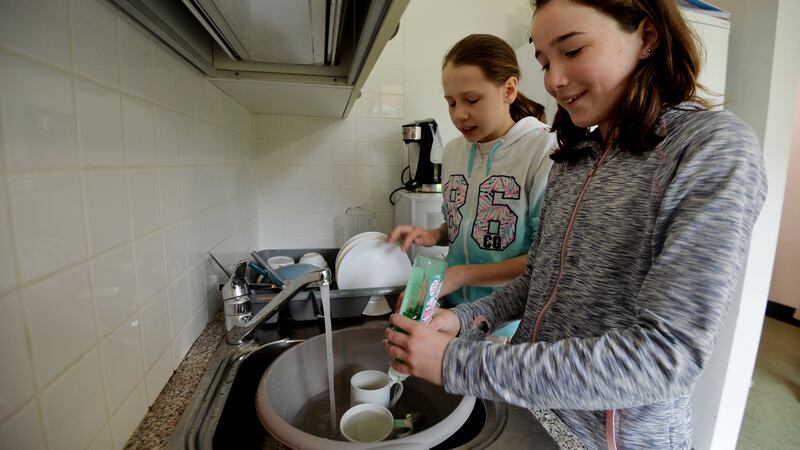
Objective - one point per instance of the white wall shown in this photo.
(311, 169)
(119, 168)
(785, 286)
(762, 76)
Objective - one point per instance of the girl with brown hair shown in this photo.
(643, 236)
(494, 174)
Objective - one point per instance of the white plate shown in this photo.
(363, 235)
(373, 264)
(353, 241)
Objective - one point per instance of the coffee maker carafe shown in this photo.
(424, 156)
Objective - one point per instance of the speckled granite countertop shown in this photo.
(155, 429)
(163, 416)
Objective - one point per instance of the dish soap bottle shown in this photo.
(421, 296)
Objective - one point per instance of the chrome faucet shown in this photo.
(236, 300)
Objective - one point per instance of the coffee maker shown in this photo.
(424, 146)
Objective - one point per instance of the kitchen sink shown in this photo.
(237, 421)
(222, 412)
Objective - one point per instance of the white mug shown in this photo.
(374, 386)
(315, 259)
(367, 422)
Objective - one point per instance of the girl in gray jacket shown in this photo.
(645, 227)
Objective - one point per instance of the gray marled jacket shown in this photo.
(629, 305)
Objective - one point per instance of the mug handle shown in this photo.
(398, 392)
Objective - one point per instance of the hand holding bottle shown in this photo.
(421, 349)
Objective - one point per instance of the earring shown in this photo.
(648, 52)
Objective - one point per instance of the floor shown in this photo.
(772, 416)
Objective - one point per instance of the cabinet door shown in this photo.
(713, 33)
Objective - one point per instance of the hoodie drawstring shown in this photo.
(495, 147)
(471, 159)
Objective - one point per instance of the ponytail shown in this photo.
(524, 107)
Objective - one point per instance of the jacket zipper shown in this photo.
(611, 435)
(562, 259)
(464, 289)
(611, 429)
(464, 238)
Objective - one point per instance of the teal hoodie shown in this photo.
(492, 207)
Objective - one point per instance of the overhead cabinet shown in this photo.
(303, 57)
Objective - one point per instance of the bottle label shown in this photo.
(433, 297)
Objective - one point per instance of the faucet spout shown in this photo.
(239, 319)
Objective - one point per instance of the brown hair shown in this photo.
(667, 78)
(498, 62)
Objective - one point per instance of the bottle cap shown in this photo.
(395, 375)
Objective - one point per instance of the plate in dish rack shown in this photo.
(373, 264)
(353, 241)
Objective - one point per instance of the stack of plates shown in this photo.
(367, 261)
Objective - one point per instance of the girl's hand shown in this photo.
(445, 321)
(412, 234)
(422, 348)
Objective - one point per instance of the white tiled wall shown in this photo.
(120, 167)
(311, 169)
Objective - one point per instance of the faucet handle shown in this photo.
(240, 269)
(237, 286)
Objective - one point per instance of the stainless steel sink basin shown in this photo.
(222, 412)
(235, 419)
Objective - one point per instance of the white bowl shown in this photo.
(367, 422)
(315, 259)
(276, 262)
(298, 375)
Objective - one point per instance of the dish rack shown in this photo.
(307, 304)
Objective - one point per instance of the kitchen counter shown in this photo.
(155, 429)
(163, 416)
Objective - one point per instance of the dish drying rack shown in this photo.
(307, 304)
